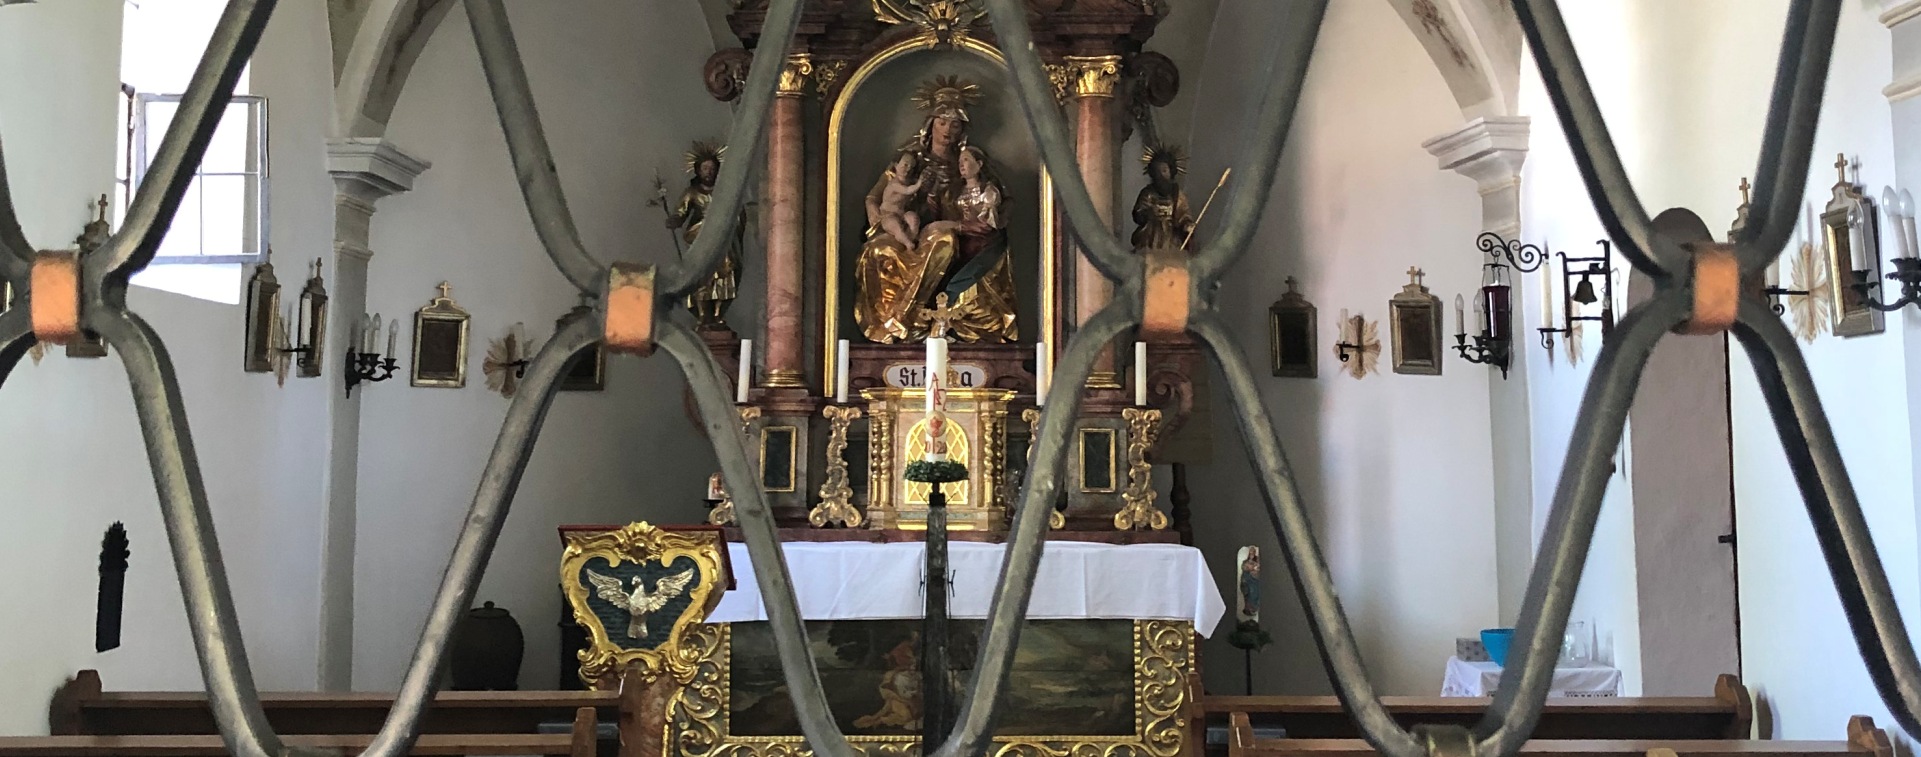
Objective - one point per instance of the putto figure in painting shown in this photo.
(961, 245)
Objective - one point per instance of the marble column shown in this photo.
(364, 170)
(786, 170)
(1091, 83)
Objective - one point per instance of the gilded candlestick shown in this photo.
(1055, 518)
(1143, 429)
(723, 513)
(836, 496)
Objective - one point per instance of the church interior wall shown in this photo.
(1684, 88)
(1395, 469)
(75, 457)
(619, 91)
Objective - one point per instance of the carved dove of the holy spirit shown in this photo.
(641, 601)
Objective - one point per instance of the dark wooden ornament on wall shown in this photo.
(113, 582)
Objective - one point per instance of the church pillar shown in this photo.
(364, 170)
(784, 433)
(786, 170)
(1092, 80)
(1490, 151)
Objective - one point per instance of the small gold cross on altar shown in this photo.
(941, 317)
(446, 290)
(1744, 190)
(1414, 275)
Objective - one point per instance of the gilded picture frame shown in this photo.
(1850, 211)
(778, 445)
(440, 343)
(639, 544)
(1414, 316)
(1291, 328)
(698, 719)
(1099, 455)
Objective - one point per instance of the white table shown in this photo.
(1481, 678)
(1076, 580)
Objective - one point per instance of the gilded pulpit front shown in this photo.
(976, 437)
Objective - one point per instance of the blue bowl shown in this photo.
(1497, 640)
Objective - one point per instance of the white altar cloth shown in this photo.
(1077, 580)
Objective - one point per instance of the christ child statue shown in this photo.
(895, 217)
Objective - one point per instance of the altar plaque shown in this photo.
(976, 437)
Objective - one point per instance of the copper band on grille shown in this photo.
(1717, 289)
(1164, 293)
(630, 309)
(56, 297)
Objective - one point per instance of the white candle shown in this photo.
(746, 373)
(936, 370)
(1043, 374)
(1547, 299)
(1140, 374)
(840, 372)
(1342, 331)
(1460, 316)
(1480, 315)
(393, 336)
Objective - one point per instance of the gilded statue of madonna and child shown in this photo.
(935, 225)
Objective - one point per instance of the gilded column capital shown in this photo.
(1091, 75)
(795, 73)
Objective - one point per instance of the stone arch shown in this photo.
(1476, 45)
(375, 45)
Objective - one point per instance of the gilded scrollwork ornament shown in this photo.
(836, 495)
(1092, 75)
(1143, 430)
(671, 578)
(723, 512)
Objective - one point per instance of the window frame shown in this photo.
(138, 146)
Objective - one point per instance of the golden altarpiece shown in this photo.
(899, 168)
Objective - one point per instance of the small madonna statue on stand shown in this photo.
(1248, 635)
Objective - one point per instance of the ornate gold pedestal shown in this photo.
(976, 437)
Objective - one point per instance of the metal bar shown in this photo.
(16, 254)
(1781, 171)
(1562, 555)
(527, 146)
(493, 497)
(1312, 579)
(151, 213)
(16, 337)
(1620, 209)
(190, 533)
(1104, 250)
(722, 219)
(1247, 200)
(1022, 561)
(1846, 542)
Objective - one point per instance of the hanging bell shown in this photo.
(1584, 292)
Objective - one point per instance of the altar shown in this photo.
(1106, 659)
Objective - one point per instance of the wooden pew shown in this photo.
(578, 743)
(1864, 740)
(82, 708)
(1729, 714)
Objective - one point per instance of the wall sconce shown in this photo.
(310, 326)
(1583, 293)
(1907, 268)
(1359, 345)
(1494, 310)
(363, 362)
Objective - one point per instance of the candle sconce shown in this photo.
(309, 317)
(1494, 310)
(364, 364)
(1359, 347)
(1907, 268)
(506, 361)
(1582, 292)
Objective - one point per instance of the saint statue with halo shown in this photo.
(709, 301)
(959, 232)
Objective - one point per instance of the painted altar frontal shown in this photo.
(1106, 661)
